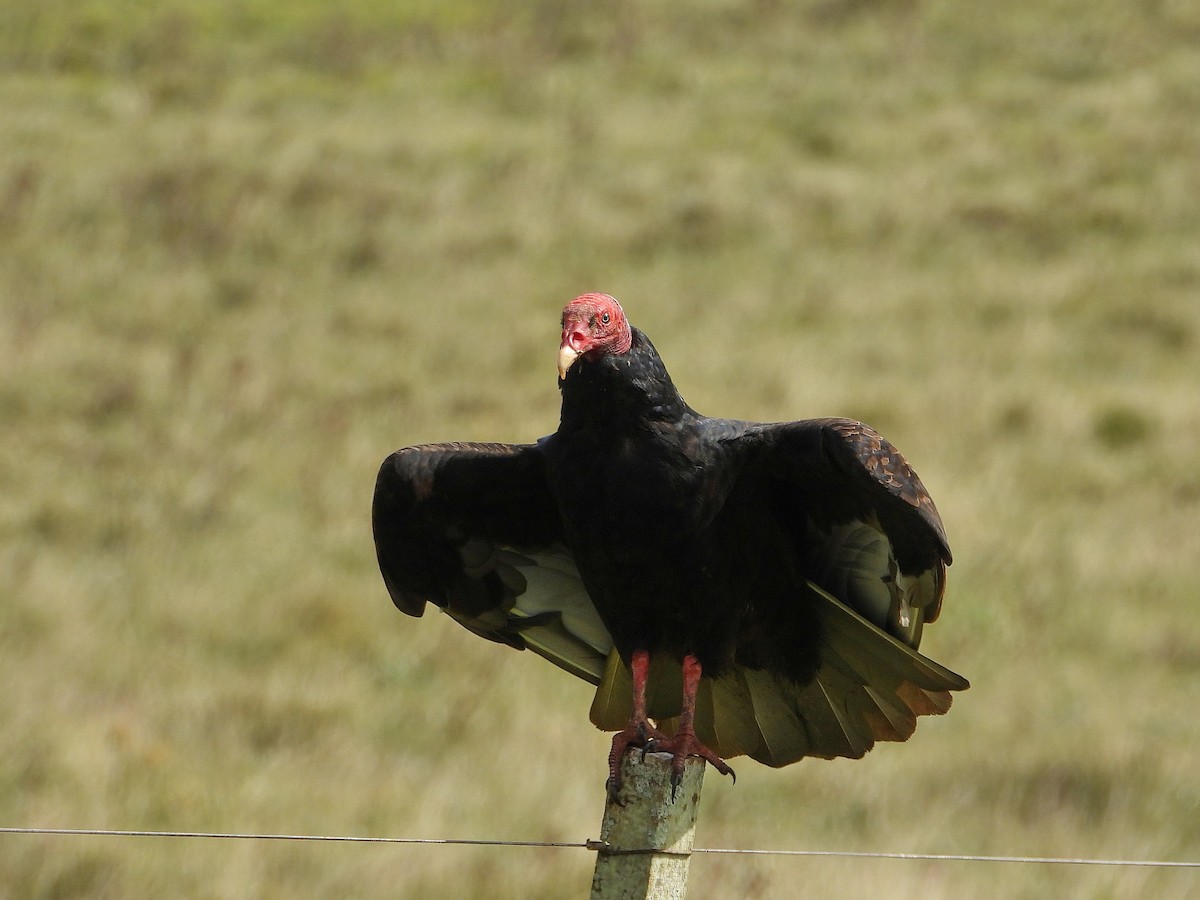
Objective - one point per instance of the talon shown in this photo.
(684, 746)
(638, 734)
(613, 787)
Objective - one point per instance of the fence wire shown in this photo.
(601, 845)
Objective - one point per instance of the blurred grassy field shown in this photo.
(247, 249)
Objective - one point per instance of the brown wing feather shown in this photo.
(869, 530)
(880, 459)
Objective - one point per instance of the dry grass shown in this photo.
(249, 250)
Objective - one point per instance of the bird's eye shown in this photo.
(604, 318)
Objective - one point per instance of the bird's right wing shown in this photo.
(873, 558)
(474, 529)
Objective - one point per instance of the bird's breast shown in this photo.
(628, 496)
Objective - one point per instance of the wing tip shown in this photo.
(407, 602)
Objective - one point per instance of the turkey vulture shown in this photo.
(729, 587)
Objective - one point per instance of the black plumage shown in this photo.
(772, 580)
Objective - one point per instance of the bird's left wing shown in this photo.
(872, 535)
(871, 566)
(474, 529)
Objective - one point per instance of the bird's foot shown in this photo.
(682, 745)
(638, 734)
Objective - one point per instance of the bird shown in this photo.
(729, 587)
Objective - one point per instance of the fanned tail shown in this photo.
(870, 687)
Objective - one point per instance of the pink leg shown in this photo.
(638, 731)
(684, 742)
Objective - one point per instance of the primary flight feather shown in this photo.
(729, 587)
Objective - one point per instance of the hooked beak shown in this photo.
(566, 358)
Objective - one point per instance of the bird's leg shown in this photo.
(638, 732)
(684, 742)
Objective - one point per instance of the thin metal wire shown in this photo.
(965, 857)
(352, 839)
(601, 846)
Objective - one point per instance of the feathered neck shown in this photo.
(621, 392)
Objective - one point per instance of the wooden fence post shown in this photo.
(646, 844)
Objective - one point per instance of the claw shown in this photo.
(637, 735)
(613, 787)
(683, 746)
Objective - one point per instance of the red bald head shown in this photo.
(592, 325)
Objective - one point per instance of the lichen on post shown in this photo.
(646, 838)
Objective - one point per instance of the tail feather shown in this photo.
(870, 687)
(725, 716)
(888, 717)
(612, 703)
(781, 732)
(925, 702)
(828, 710)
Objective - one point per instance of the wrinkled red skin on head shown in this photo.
(585, 330)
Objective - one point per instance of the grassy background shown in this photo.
(246, 249)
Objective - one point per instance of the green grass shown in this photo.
(248, 249)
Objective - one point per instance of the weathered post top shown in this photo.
(646, 838)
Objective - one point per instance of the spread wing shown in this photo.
(474, 529)
(871, 563)
(871, 534)
(874, 555)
